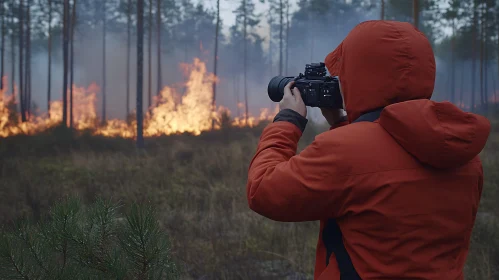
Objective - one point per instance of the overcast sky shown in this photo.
(227, 8)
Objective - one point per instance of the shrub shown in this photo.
(95, 242)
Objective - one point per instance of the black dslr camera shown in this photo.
(316, 89)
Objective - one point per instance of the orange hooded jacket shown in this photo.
(403, 189)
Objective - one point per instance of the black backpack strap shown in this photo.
(331, 234)
(333, 241)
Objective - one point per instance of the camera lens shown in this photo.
(276, 87)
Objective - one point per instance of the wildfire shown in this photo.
(172, 113)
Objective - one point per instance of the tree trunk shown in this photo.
(215, 61)
(236, 93)
(281, 37)
(3, 45)
(287, 38)
(158, 27)
(13, 51)
(453, 64)
(27, 86)
(49, 78)
(415, 12)
(486, 72)
(462, 85)
(271, 46)
(21, 60)
(140, 74)
(128, 47)
(486, 56)
(149, 58)
(495, 91)
(482, 102)
(104, 80)
(65, 58)
(382, 10)
(71, 83)
(473, 59)
(245, 63)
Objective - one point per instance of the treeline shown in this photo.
(464, 34)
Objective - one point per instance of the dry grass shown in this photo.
(198, 185)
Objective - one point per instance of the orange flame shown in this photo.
(193, 112)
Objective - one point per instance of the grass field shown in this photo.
(197, 184)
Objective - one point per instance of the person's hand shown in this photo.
(292, 100)
(333, 116)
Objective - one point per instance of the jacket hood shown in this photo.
(391, 64)
(380, 63)
(436, 133)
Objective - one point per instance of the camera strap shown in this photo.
(331, 234)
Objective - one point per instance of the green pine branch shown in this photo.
(94, 242)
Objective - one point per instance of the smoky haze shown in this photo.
(310, 40)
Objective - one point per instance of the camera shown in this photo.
(316, 89)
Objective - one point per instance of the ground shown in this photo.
(197, 184)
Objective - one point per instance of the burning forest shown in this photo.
(171, 113)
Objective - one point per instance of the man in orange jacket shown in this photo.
(396, 186)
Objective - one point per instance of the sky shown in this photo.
(227, 8)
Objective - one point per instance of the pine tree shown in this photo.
(246, 21)
(95, 242)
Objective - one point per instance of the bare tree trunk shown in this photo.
(473, 60)
(245, 63)
(382, 10)
(71, 83)
(140, 74)
(215, 61)
(453, 64)
(287, 38)
(27, 86)
(415, 12)
(65, 58)
(486, 73)
(49, 78)
(13, 51)
(271, 46)
(495, 91)
(128, 47)
(462, 84)
(104, 70)
(281, 38)
(28, 59)
(21, 60)
(158, 27)
(486, 56)
(236, 93)
(149, 58)
(3, 44)
(482, 102)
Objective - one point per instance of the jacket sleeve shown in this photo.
(287, 187)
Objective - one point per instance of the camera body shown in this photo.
(317, 89)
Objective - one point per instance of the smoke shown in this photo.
(309, 41)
